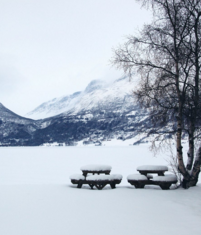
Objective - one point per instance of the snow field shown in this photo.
(37, 197)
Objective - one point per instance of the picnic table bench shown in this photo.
(91, 176)
(99, 181)
(145, 177)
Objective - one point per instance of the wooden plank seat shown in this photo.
(139, 181)
(78, 179)
(99, 181)
(164, 181)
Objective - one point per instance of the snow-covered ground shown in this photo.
(37, 197)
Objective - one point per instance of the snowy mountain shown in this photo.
(103, 111)
(97, 95)
(53, 107)
(14, 129)
(7, 115)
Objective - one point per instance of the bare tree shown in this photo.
(167, 56)
(193, 110)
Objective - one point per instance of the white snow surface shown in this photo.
(77, 177)
(37, 197)
(96, 167)
(152, 168)
(104, 177)
(137, 177)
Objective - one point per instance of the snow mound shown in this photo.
(77, 177)
(166, 178)
(104, 177)
(96, 168)
(137, 177)
(149, 176)
(152, 168)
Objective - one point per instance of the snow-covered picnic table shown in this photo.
(146, 178)
(96, 169)
(152, 169)
(94, 178)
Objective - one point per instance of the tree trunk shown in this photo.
(197, 164)
(179, 146)
(191, 146)
(181, 166)
(192, 181)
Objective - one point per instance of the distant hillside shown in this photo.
(8, 115)
(101, 112)
(97, 95)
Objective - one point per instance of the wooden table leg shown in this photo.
(79, 185)
(112, 185)
(91, 185)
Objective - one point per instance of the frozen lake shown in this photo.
(54, 165)
(37, 197)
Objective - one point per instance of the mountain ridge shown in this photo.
(97, 93)
(100, 112)
(7, 114)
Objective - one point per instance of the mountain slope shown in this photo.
(97, 95)
(101, 112)
(9, 116)
(14, 129)
(53, 107)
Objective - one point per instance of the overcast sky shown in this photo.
(51, 48)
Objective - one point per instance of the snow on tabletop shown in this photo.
(96, 168)
(166, 178)
(77, 177)
(137, 177)
(104, 177)
(152, 168)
